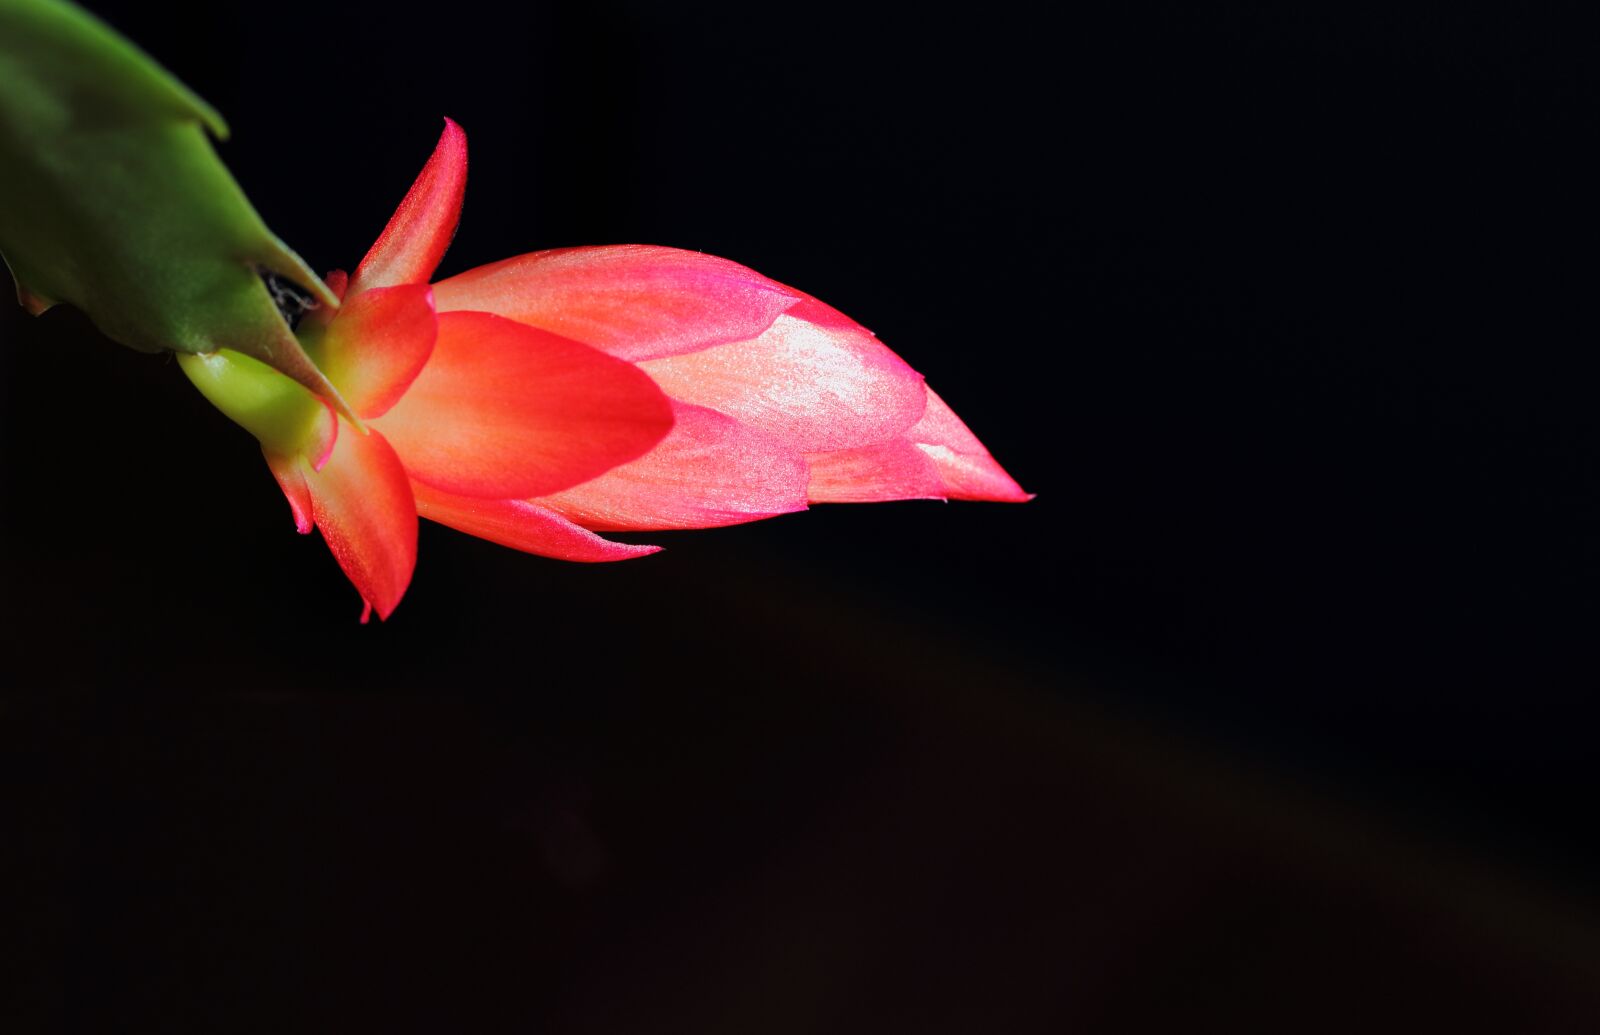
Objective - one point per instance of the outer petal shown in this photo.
(362, 503)
(816, 380)
(634, 301)
(410, 247)
(376, 345)
(709, 471)
(965, 467)
(522, 525)
(506, 411)
(894, 470)
(938, 458)
(292, 480)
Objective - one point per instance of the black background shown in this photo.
(1274, 709)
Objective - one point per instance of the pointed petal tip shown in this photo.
(964, 466)
(523, 525)
(419, 232)
(973, 476)
(362, 503)
(937, 458)
(292, 480)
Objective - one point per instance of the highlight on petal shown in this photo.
(506, 411)
(362, 502)
(634, 301)
(709, 471)
(816, 380)
(522, 525)
(411, 245)
(376, 345)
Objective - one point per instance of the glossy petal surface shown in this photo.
(376, 345)
(709, 471)
(522, 525)
(362, 502)
(508, 411)
(634, 301)
(411, 245)
(815, 380)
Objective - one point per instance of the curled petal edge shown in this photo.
(937, 458)
(522, 525)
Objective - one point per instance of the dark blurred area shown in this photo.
(1272, 712)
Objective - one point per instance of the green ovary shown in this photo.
(277, 411)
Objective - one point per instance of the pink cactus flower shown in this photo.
(538, 401)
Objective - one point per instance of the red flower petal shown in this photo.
(507, 411)
(362, 503)
(938, 458)
(816, 379)
(338, 282)
(895, 470)
(709, 471)
(410, 247)
(522, 525)
(292, 480)
(966, 468)
(634, 301)
(376, 345)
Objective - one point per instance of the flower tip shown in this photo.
(996, 486)
(634, 552)
(987, 487)
(368, 609)
(416, 236)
